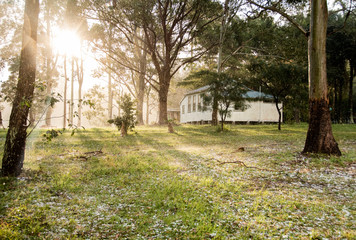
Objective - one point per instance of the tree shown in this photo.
(341, 55)
(50, 10)
(277, 78)
(96, 115)
(319, 138)
(224, 20)
(14, 149)
(224, 90)
(121, 42)
(169, 28)
(10, 31)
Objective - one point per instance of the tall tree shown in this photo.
(224, 20)
(14, 149)
(279, 79)
(80, 76)
(121, 41)
(51, 8)
(319, 138)
(170, 27)
(65, 92)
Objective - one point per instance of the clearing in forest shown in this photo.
(247, 182)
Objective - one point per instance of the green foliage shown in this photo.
(53, 99)
(341, 59)
(227, 91)
(285, 81)
(94, 99)
(128, 118)
(50, 134)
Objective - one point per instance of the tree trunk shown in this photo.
(333, 113)
(48, 66)
(71, 106)
(110, 97)
(1, 124)
(339, 103)
(140, 101)
(65, 93)
(214, 115)
(14, 149)
(79, 124)
(164, 81)
(279, 114)
(123, 130)
(141, 87)
(141, 58)
(80, 82)
(320, 138)
(32, 117)
(110, 93)
(148, 106)
(352, 71)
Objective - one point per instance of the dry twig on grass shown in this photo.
(87, 155)
(244, 165)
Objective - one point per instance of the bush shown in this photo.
(128, 119)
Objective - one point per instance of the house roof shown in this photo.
(198, 90)
(251, 94)
(254, 94)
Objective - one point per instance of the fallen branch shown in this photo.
(87, 155)
(94, 153)
(244, 165)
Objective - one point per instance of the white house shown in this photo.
(261, 108)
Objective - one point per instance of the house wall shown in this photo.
(258, 111)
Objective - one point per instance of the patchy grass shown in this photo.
(195, 184)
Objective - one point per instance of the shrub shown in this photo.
(128, 119)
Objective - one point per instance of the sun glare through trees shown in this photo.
(177, 119)
(67, 42)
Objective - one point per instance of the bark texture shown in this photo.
(14, 149)
(49, 64)
(140, 89)
(65, 93)
(352, 71)
(80, 75)
(320, 138)
(214, 115)
(163, 101)
(123, 130)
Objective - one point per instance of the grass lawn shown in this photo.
(195, 184)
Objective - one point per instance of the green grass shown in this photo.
(156, 185)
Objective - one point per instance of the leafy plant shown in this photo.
(50, 134)
(128, 118)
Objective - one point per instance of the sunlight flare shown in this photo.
(67, 43)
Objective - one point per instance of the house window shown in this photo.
(189, 104)
(194, 103)
(182, 109)
(199, 103)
